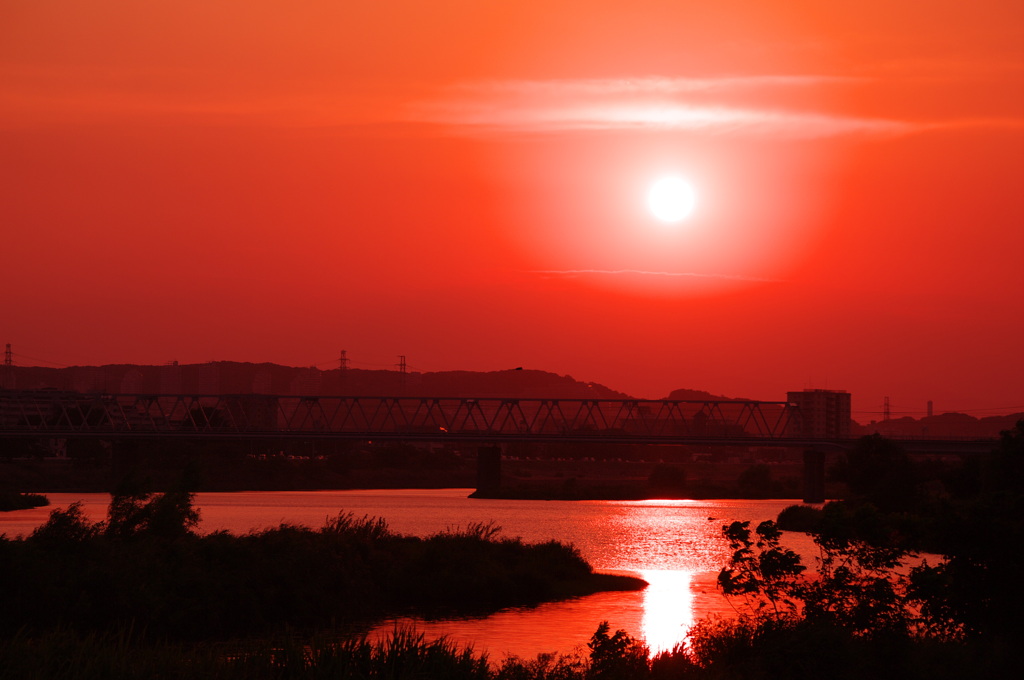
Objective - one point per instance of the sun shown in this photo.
(671, 199)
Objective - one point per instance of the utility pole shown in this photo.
(8, 376)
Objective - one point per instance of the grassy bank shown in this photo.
(145, 568)
(22, 501)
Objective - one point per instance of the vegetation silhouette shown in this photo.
(862, 611)
(22, 501)
(146, 568)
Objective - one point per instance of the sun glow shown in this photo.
(671, 199)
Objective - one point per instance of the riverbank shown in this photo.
(522, 477)
(145, 568)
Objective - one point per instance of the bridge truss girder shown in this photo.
(62, 414)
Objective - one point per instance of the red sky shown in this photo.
(464, 183)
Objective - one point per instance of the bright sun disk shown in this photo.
(671, 199)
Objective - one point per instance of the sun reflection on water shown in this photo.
(668, 608)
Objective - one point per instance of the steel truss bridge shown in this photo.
(69, 414)
(56, 415)
(60, 414)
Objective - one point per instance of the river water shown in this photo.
(675, 545)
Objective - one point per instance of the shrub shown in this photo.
(22, 501)
(65, 527)
(803, 518)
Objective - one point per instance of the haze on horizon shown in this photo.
(465, 184)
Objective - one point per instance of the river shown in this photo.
(675, 545)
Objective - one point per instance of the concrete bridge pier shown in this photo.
(814, 476)
(488, 468)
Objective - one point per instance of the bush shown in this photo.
(65, 527)
(22, 501)
(802, 518)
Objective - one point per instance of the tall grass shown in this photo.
(62, 654)
(718, 650)
(181, 586)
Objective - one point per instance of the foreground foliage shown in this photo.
(854, 617)
(859, 612)
(973, 523)
(144, 568)
(718, 650)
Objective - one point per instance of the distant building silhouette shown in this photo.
(823, 413)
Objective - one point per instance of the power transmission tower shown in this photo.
(343, 360)
(885, 409)
(7, 379)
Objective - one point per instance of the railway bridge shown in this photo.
(487, 422)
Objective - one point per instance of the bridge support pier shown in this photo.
(814, 476)
(488, 468)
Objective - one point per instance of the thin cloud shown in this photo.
(640, 272)
(651, 103)
(646, 85)
(496, 118)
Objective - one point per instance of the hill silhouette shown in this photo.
(698, 395)
(231, 377)
(942, 425)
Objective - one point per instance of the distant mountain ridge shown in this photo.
(699, 395)
(230, 377)
(943, 425)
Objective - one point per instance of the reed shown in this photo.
(145, 572)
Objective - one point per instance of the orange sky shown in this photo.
(463, 183)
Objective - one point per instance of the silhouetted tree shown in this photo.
(67, 526)
(764, 578)
(878, 470)
(617, 656)
(135, 511)
(756, 481)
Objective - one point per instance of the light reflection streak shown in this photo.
(668, 608)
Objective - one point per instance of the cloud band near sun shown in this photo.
(637, 104)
